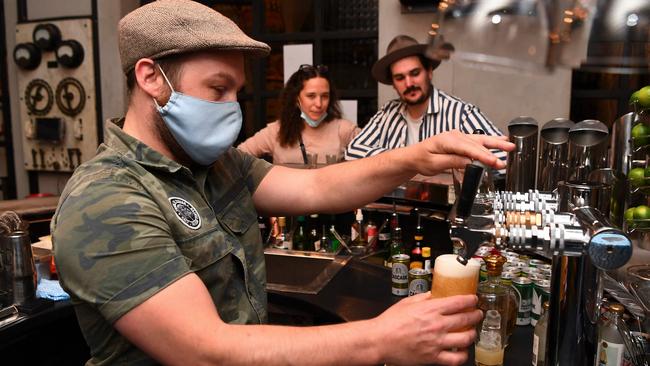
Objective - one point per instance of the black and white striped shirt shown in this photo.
(388, 129)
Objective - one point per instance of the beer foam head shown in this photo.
(448, 265)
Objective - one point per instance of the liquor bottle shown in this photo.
(489, 346)
(357, 237)
(371, 235)
(282, 240)
(416, 256)
(275, 231)
(539, 337)
(611, 346)
(394, 219)
(396, 245)
(426, 258)
(324, 240)
(494, 295)
(313, 225)
(334, 242)
(419, 232)
(299, 235)
(313, 222)
(383, 237)
(416, 251)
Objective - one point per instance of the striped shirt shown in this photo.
(388, 129)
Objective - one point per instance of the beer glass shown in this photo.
(312, 160)
(451, 278)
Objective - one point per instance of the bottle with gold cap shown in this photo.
(494, 295)
(426, 257)
(610, 346)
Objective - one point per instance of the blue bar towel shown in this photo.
(51, 289)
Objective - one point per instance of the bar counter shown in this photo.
(360, 290)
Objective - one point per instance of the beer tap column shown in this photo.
(462, 211)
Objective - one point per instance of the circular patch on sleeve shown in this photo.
(186, 212)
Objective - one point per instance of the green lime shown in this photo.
(644, 97)
(641, 212)
(636, 176)
(641, 134)
(629, 214)
(634, 98)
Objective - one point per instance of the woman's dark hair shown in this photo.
(291, 125)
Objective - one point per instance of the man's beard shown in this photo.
(425, 95)
(165, 135)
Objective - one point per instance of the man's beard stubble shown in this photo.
(425, 95)
(165, 135)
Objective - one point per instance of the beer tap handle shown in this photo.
(471, 182)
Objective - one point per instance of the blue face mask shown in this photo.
(312, 122)
(204, 129)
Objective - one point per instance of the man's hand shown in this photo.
(421, 330)
(455, 149)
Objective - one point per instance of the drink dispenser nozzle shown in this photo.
(471, 182)
(463, 209)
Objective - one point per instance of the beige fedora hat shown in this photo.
(168, 27)
(400, 47)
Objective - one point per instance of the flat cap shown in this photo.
(169, 27)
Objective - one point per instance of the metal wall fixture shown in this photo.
(553, 153)
(588, 142)
(520, 172)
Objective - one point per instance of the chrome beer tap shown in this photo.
(581, 242)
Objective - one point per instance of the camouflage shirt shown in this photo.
(131, 222)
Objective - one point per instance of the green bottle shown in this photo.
(334, 242)
(299, 237)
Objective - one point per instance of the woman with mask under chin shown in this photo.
(310, 122)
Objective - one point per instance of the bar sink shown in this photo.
(300, 271)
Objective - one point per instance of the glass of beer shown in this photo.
(451, 278)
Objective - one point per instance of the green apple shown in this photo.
(636, 176)
(634, 98)
(641, 212)
(641, 134)
(644, 97)
(629, 214)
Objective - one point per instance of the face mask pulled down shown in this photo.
(204, 129)
(312, 122)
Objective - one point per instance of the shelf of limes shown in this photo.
(637, 215)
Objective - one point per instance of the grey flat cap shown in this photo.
(169, 27)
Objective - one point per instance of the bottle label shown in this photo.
(418, 286)
(535, 348)
(384, 237)
(400, 273)
(354, 233)
(372, 232)
(610, 354)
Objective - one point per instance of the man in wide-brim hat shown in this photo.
(421, 110)
(156, 238)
